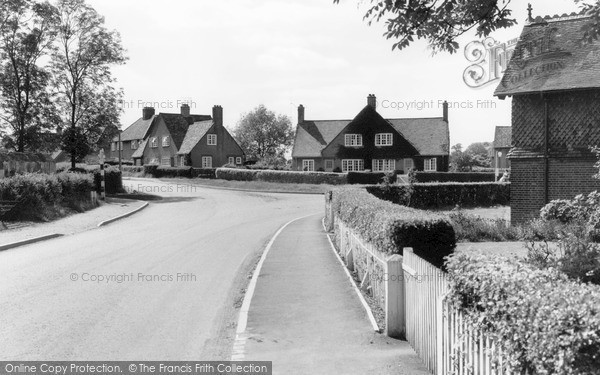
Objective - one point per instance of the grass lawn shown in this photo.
(253, 185)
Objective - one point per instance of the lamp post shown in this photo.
(498, 156)
(102, 186)
(120, 151)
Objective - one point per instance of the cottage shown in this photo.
(501, 147)
(370, 142)
(554, 80)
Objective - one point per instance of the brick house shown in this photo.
(165, 138)
(554, 81)
(370, 142)
(501, 147)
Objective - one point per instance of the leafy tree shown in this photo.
(264, 135)
(441, 22)
(75, 140)
(476, 155)
(26, 37)
(480, 152)
(81, 66)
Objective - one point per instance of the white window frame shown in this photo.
(353, 165)
(207, 162)
(327, 161)
(353, 140)
(384, 165)
(133, 144)
(113, 146)
(153, 142)
(238, 160)
(182, 161)
(309, 164)
(408, 165)
(384, 139)
(430, 165)
(165, 161)
(211, 139)
(166, 142)
(231, 160)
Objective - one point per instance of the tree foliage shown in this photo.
(442, 22)
(265, 135)
(476, 155)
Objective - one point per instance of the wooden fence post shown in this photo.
(394, 297)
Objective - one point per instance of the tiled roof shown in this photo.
(194, 134)
(430, 136)
(178, 125)
(549, 56)
(503, 137)
(137, 130)
(139, 152)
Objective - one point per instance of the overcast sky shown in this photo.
(242, 53)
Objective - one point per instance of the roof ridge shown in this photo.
(558, 18)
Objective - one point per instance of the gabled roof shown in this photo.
(429, 136)
(178, 125)
(503, 137)
(137, 130)
(139, 152)
(549, 56)
(194, 134)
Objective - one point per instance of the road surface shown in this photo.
(161, 285)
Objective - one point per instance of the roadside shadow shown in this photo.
(176, 199)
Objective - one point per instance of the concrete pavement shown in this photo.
(306, 318)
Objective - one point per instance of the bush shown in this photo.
(391, 228)
(545, 323)
(365, 178)
(281, 176)
(113, 181)
(133, 168)
(436, 195)
(150, 169)
(208, 173)
(472, 228)
(455, 177)
(173, 172)
(41, 195)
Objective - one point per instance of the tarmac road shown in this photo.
(160, 285)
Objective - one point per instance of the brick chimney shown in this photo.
(372, 101)
(445, 111)
(300, 114)
(185, 110)
(217, 115)
(147, 113)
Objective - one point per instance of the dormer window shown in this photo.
(353, 140)
(153, 142)
(165, 141)
(211, 140)
(384, 139)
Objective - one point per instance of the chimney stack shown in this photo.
(147, 113)
(185, 110)
(445, 112)
(372, 101)
(217, 115)
(300, 114)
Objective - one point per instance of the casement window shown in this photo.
(165, 141)
(182, 161)
(166, 161)
(383, 165)
(121, 146)
(384, 139)
(211, 140)
(329, 164)
(353, 140)
(153, 161)
(134, 144)
(430, 165)
(353, 165)
(113, 146)
(231, 160)
(408, 165)
(207, 162)
(153, 142)
(238, 160)
(308, 165)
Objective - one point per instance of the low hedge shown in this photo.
(424, 177)
(546, 323)
(113, 180)
(436, 195)
(281, 176)
(391, 228)
(132, 168)
(209, 173)
(40, 193)
(365, 178)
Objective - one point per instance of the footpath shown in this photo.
(306, 318)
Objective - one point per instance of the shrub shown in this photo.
(546, 323)
(208, 173)
(150, 169)
(436, 195)
(472, 228)
(113, 181)
(236, 174)
(365, 178)
(455, 177)
(281, 176)
(133, 168)
(391, 228)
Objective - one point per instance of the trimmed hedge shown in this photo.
(132, 168)
(281, 176)
(391, 227)
(113, 181)
(365, 178)
(209, 173)
(424, 177)
(39, 193)
(436, 195)
(546, 323)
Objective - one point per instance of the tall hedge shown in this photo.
(546, 323)
(113, 181)
(455, 176)
(392, 227)
(281, 176)
(436, 195)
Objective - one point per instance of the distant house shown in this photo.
(370, 142)
(555, 84)
(501, 147)
(175, 139)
